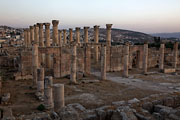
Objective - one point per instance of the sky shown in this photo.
(149, 16)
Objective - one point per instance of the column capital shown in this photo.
(55, 22)
(35, 25)
(108, 26)
(31, 27)
(47, 24)
(40, 25)
(60, 31)
(70, 29)
(86, 27)
(96, 27)
(78, 28)
(64, 30)
(127, 43)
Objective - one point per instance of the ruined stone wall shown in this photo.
(153, 57)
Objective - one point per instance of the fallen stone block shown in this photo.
(169, 70)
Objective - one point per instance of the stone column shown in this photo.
(70, 35)
(32, 34)
(87, 66)
(145, 58)
(96, 40)
(56, 66)
(28, 38)
(126, 59)
(60, 38)
(86, 34)
(35, 63)
(41, 34)
(47, 41)
(47, 34)
(48, 93)
(73, 65)
(25, 37)
(64, 37)
(175, 55)
(140, 59)
(108, 39)
(58, 96)
(55, 32)
(77, 35)
(161, 57)
(103, 62)
(36, 34)
(40, 81)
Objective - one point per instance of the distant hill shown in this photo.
(119, 35)
(167, 35)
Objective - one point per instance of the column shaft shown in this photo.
(70, 35)
(77, 35)
(126, 60)
(73, 64)
(103, 63)
(64, 37)
(145, 58)
(58, 96)
(175, 55)
(96, 40)
(108, 39)
(86, 34)
(48, 93)
(161, 57)
(55, 32)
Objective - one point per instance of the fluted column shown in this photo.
(103, 62)
(175, 55)
(161, 57)
(48, 93)
(126, 59)
(36, 34)
(64, 37)
(70, 35)
(60, 38)
(77, 35)
(40, 81)
(58, 96)
(145, 58)
(47, 41)
(35, 63)
(73, 65)
(55, 32)
(47, 34)
(56, 66)
(32, 34)
(87, 66)
(41, 34)
(28, 38)
(96, 40)
(86, 34)
(25, 38)
(108, 39)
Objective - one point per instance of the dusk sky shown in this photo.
(149, 16)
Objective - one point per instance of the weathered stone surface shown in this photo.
(169, 70)
(68, 113)
(148, 106)
(133, 101)
(119, 103)
(123, 113)
(5, 97)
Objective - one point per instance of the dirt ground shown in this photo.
(91, 95)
